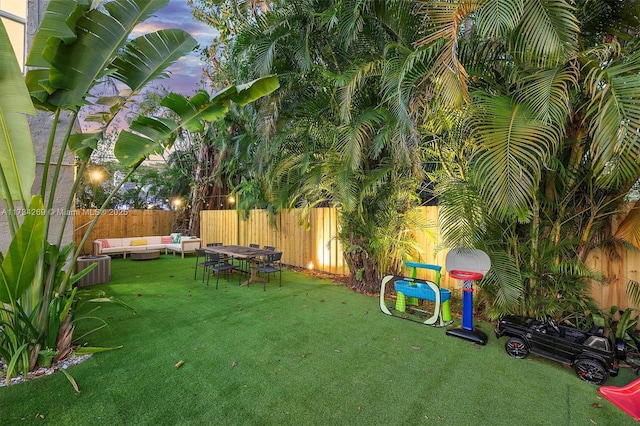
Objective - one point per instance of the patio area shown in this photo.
(310, 352)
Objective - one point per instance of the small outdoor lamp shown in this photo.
(96, 176)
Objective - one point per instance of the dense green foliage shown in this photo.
(521, 117)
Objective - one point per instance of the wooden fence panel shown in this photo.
(618, 273)
(121, 223)
(219, 226)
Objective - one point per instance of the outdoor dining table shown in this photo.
(250, 254)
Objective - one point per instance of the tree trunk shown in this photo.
(365, 277)
(209, 191)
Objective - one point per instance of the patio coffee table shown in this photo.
(145, 254)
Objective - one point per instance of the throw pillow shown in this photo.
(141, 242)
(105, 243)
(175, 237)
(165, 240)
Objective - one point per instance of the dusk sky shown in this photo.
(185, 74)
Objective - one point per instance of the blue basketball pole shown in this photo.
(467, 306)
(466, 331)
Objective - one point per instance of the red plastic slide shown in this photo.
(627, 398)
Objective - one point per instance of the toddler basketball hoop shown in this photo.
(467, 266)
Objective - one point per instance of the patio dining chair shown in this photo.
(270, 248)
(243, 264)
(270, 264)
(218, 263)
(203, 264)
(214, 244)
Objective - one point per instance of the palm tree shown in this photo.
(549, 91)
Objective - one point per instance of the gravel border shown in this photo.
(42, 371)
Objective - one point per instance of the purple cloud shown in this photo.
(185, 74)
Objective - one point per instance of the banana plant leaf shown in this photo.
(59, 21)
(252, 91)
(17, 156)
(83, 144)
(147, 57)
(76, 66)
(19, 264)
(154, 134)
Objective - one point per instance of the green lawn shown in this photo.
(309, 353)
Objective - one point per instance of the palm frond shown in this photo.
(445, 22)
(495, 18)
(546, 32)
(549, 93)
(505, 281)
(629, 228)
(462, 219)
(614, 119)
(512, 146)
(351, 82)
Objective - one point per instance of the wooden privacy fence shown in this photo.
(121, 223)
(317, 246)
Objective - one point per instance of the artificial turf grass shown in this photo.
(311, 352)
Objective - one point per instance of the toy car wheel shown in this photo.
(516, 348)
(591, 371)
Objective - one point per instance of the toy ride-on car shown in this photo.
(591, 354)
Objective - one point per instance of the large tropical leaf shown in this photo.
(499, 17)
(512, 146)
(152, 135)
(444, 23)
(146, 58)
(246, 93)
(19, 265)
(76, 67)
(17, 157)
(614, 120)
(83, 144)
(59, 22)
(547, 32)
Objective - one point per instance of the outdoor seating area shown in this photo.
(176, 243)
(252, 261)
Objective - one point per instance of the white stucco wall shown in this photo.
(40, 129)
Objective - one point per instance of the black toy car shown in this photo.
(591, 354)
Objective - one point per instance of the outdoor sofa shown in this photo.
(175, 242)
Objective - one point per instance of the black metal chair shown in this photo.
(218, 263)
(214, 244)
(270, 248)
(243, 264)
(270, 264)
(200, 253)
